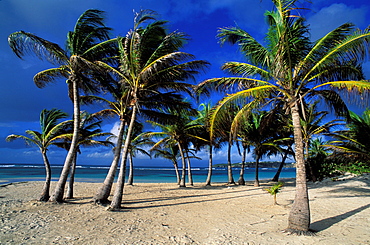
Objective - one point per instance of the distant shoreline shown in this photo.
(253, 164)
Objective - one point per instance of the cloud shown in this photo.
(331, 17)
(107, 154)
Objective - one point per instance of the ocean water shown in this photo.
(10, 173)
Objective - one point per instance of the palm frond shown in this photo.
(44, 77)
(23, 43)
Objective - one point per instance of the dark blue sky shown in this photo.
(21, 101)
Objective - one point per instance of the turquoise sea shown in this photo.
(10, 173)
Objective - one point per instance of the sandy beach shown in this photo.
(166, 214)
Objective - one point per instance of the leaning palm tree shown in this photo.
(51, 133)
(288, 69)
(85, 44)
(150, 64)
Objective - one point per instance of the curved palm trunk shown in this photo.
(103, 192)
(299, 216)
(118, 193)
(277, 175)
(230, 177)
(57, 196)
(241, 180)
(177, 172)
(69, 194)
(130, 180)
(256, 180)
(183, 173)
(46, 189)
(210, 164)
(190, 175)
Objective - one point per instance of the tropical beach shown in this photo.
(165, 214)
(287, 110)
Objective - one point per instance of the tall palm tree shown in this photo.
(51, 133)
(150, 64)
(288, 69)
(85, 44)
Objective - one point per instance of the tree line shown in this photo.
(270, 107)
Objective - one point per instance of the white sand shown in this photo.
(166, 214)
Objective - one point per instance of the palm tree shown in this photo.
(150, 64)
(179, 133)
(137, 144)
(288, 69)
(312, 125)
(204, 112)
(51, 132)
(352, 144)
(170, 153)
(85, 44)
(259, 133)
(89, 135)
(150, 108)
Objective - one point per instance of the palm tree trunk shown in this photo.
(103, 192)
(183, 174)
(190, 175)
(57, 196)
(177, 172)
(130, 179)
(69, 194)
(241, 180)
(210, 164)
(283, 159)
(256, 180)
(46, 189)
(299, 216)
(230, 177)
(118, 193)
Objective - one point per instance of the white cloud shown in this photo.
(333, 16)
(108, 154)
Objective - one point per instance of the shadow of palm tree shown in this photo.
(326, 223)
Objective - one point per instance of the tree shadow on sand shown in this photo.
(328, 222)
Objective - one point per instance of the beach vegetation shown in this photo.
(274, 190)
